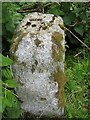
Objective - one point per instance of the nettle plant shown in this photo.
(9, 104)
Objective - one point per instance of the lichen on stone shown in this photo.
(57, 37)
(16, 42)
(57, 48)
(60, 78)
(62, 26)
(57, 52)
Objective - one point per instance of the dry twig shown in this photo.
(77, 54)
(77, 38)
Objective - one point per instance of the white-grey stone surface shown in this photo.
(34, 64)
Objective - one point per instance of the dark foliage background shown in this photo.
(76, 18)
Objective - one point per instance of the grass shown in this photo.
(77, 87)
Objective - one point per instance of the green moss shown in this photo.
(57, 52)
(13, 57)
(62, 26)
(59, 77)
(57, 37)
(57, 48)
(16, 42)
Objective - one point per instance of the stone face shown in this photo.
(38, 51)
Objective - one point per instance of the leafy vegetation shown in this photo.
(9, 102)
(76, 17)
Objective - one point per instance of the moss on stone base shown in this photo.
(60, 78)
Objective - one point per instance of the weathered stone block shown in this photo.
(38, 51)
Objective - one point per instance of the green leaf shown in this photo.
(79, 29)
(11, 83)
(72, 16)
(6, 103)
(10, 26)
(4, 61)
(68, 19)
(13, 112)
(56, 11)
(0, 86)
(1, 104)
(6, 74)
(10, 97)
(10, 100)
(83, 16)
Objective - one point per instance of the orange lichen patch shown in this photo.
(57, 37)
(37, 42)
(60, 78)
